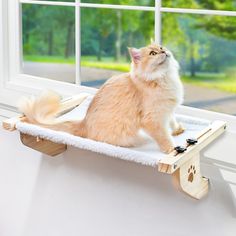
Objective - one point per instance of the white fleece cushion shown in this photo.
(146, 154)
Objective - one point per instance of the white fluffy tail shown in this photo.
(43, 110)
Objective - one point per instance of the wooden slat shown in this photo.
(71, 102)
(10, 124)
(172, 162)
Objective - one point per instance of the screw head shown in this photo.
(180, 149)
(191, 141)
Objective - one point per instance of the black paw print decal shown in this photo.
(191, 173)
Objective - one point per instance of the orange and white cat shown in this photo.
(145, 98)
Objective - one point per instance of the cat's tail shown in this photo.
(43, 110)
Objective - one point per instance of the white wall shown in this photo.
(81, 193)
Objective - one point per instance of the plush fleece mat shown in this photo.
(146, 154)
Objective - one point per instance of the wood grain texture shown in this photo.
(188, 178)
(42, 145)
(10, 124)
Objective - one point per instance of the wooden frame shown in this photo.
(184, 167)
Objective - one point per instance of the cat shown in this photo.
(143, 99)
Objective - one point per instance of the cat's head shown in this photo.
(152, 62)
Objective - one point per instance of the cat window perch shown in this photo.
(183, 163)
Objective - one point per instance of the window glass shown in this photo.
(48, 34)
(229, 5)
(123, 2)
(205, 47)
(105, 36)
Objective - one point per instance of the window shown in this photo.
(48, 35)
(58, 44)
(52, 49)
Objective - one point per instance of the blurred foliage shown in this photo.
(201, 43)
(106, 32)
(124, 2)
(48, 30)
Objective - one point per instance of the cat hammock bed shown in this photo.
(183, 163)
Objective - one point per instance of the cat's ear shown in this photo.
(135, 54)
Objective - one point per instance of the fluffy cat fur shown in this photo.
(145, 98)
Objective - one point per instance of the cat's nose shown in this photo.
(162, 51)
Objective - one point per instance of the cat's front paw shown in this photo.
(179, 130)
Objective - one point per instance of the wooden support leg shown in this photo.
(42, 145)
(188, 178)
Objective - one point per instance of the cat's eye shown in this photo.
(153, 53)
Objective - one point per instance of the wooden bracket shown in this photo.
(185, 167)
(188, 178)
(42, 145)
